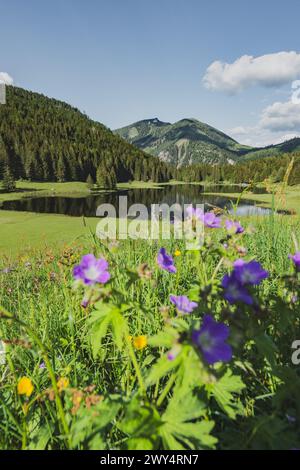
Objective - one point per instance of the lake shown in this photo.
(182, 194)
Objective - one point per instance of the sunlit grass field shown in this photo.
(36, 286)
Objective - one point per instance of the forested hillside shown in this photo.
(47, 140)
(274, 168)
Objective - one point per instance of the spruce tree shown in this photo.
(8, 183)
(89, 182)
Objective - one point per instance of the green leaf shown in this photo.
(266, 347)
(139, 443)
(141, 423)
(105, 317)
(223, 391)
(40, 438)
(161, 368)
(181, 430)
(90, 424)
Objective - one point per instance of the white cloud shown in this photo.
(281, 117)
(256, 136)
(6, 78)
(268, 70)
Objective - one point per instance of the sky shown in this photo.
(231, 64)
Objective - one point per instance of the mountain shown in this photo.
(184, 142)
(48, 140)
(189, 141)
(289, 146)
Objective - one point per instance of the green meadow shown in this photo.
(116, 366)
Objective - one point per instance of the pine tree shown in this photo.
(89, 182)
(8, 183)
(61, 169)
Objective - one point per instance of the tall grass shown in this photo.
(37, 288)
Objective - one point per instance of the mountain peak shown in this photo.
(184, 142)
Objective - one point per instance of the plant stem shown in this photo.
(135, 365)
(166, 389)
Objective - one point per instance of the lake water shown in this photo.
(182, 194)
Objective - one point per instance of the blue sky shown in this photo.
(125, 60)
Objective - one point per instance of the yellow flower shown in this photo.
(62, 384)
(25, 386)
(177, 253)
(140, 342)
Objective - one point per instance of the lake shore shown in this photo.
(21, 231)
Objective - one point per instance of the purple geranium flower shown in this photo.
(92, 270)
(233, 226)
(194, 213)
(210, 220)
(165, 261)
(243, 274)
(234, 291)
(249, 273)
(296, 260)
(210, 339)
(183, 304)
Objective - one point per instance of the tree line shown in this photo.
(250, 171)
(42, 139)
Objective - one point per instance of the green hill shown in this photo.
(184, 142)
(190, 141)
(47, 140)
(287, 147)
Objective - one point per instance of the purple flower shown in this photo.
(234, 291)
(165, 261)
(92, 270)
(210, 339)
(294, 299)
(194, 213)
(249, 273)
(233, 226)
(210, 220)
(291, 419)
(42, 365)
(296, 260)
(85, 302)
(173, 353)
(243, 275)
(183, 304)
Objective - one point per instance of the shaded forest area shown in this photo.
(42, 139)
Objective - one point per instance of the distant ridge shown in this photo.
(190, 141)
(184, 142)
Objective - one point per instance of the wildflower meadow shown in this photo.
(149, 345)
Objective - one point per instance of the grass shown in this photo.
(289, 200)
(38, 290)
(21, 231)
(72, 189)
(33, 189)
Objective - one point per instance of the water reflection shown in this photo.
(87, 206)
